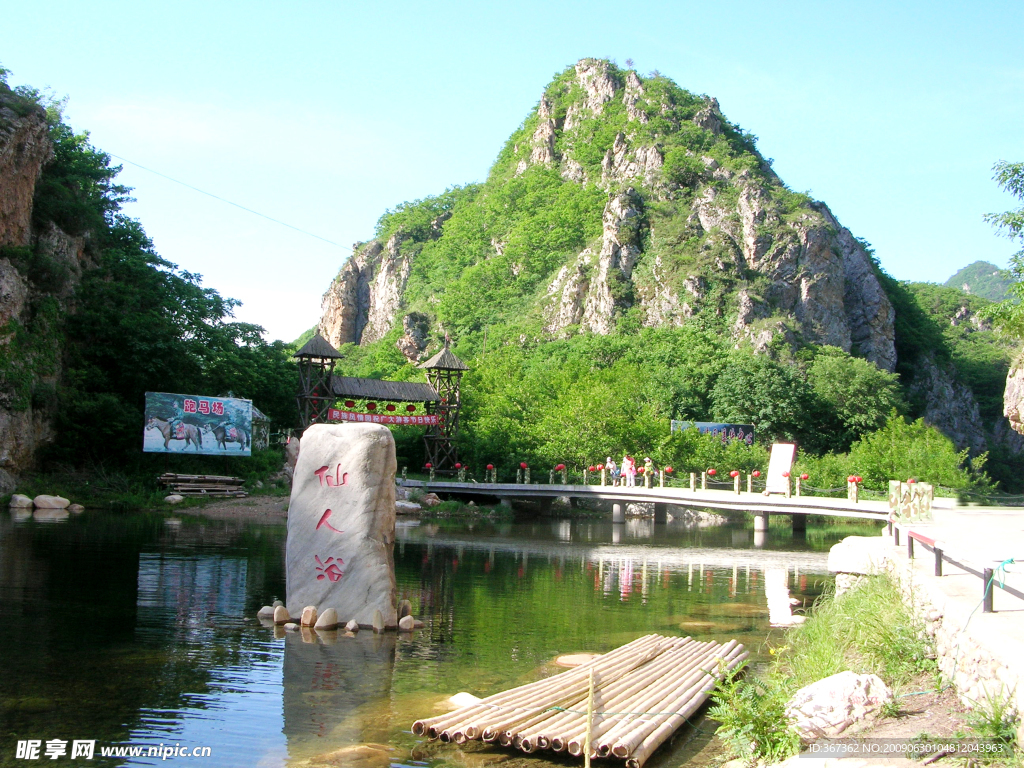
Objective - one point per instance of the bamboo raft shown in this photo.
(624, 704)
(203, 485)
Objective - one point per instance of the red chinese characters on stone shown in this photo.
(324, 522)
(329, 569)
(339, 478)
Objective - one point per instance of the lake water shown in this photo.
(139, 629)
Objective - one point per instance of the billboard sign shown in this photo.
(218, 426)
(727, 432)
(334, 414)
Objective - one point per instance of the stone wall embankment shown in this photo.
(981, 654)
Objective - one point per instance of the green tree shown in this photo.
(853, 397)
(902, 449)
(754, 389)
(1009, 314)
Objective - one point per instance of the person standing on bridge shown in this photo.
(613, 471)
(629, 467)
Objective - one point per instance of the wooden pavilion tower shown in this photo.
(316, 370)
(444, 372)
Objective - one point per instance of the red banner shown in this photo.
(381, 418)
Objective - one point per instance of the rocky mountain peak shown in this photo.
(688, 202)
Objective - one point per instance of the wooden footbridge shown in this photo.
(760, 506)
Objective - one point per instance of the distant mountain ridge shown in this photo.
(982, 278)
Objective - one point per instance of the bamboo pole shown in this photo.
(650, 699)
(622, 697)
(526, 699)
(624, 703)
(421, 727)
(628, 741)
(656, 738)
(615, 695)
(590, 720)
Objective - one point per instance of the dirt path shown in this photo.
(267, 509)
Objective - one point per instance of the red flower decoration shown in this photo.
(734, 473)
(756, 473)
(522, 465)
(712, 472)
(410, 408)
(389, 407)
(804, 476)
(350, 404)
(559, 467)
(490, 466)
(371, 406)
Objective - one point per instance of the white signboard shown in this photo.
(780, 465)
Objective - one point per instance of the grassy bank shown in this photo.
(135, 487)
(865, 630)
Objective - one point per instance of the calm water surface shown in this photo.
(139, 629)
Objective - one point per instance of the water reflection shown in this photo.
(327, 688)
(141, 627)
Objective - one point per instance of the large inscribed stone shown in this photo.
(341, 523)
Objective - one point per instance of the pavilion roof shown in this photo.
(379, 389)
(318, 346)
(446, 360)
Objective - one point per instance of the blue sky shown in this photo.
(325, 114)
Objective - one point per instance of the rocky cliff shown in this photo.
(688, 202)
(24, 148)
(40, 267)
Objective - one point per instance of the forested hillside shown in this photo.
(632, 258)
(91, 317)
(982, 278)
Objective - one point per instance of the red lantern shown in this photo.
(410, 408)
(804, 476)
(712, 472)
(591, 468)
(849, 478)
(559, 467)
(756, 473)
(371, 406)
(458, 465)
(858, 479)
(389, 407)
(734, 473)
(668, 469)
(350, 404)
(428, 465)
(785, 474)
(490, 467)
(522, 465)
(600, 467)
(912, 480)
